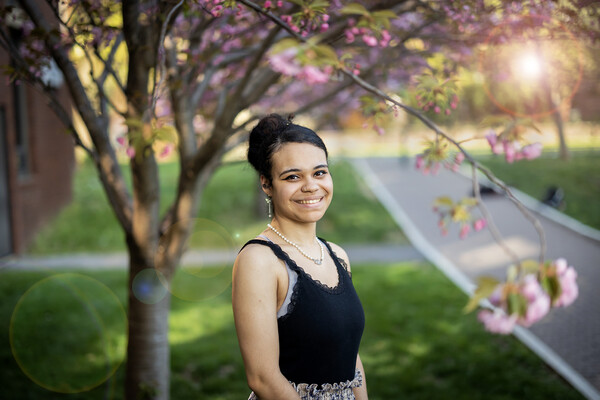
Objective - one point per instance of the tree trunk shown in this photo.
(148, 354)
(563, 152)
(556, 108)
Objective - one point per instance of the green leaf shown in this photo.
(443, 201)
(512, 273)
(552, 287)
(383, 17)
(469, 201)
(326, 52)
(485, 287)
(319, 4)
(384, 14)
(284, 44)
(517, 304)
(355, 8)
(528, 123)
(530, 266)
(166, 133)
(510, 126)
(460, 214)
(494, 121)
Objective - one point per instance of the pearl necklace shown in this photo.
(317, 261)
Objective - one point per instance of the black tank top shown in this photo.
(320, 334)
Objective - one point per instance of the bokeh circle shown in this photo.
(148, 286)
(205, 269)
(68, 333)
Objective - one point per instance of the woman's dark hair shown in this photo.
(272, 132)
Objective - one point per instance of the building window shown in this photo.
(5, 217)
(20, 113)
(22, 130)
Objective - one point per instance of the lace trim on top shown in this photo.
(328, 391)
(288, 305)
(335, 289)
(290, 296)
(293, 269)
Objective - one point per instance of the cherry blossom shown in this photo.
(497, 321)
(130, 151)
(479, 224)
(567, 277)
(538, 301)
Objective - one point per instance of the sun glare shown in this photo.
(529, 66)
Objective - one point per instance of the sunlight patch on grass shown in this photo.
(191, 323)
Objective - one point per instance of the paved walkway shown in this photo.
(357, 253)
(567, 339)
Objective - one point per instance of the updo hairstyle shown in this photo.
(272, 132)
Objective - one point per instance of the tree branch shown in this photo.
(108, 167)
(426, 121)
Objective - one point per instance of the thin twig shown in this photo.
(162, 60)
(490, 220)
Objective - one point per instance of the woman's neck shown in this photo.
(301, 234)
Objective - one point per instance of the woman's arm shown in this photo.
(361, 392)
(254, 301)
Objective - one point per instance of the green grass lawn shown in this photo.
(228, 207)
(579, 177)
(69, 334)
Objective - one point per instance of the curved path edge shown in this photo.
(362, 167)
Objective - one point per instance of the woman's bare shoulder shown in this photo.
(341, 254)
(338, 250)
(256, 258)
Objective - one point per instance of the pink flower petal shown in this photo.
(497, 321)
(479, 224)
(369, 40)
(464, 231)
(532, 151)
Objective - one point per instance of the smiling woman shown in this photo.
(298, 318)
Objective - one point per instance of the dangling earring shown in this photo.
(270, 205)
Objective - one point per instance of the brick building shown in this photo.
(36, 163)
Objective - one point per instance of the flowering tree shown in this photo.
(191, 77)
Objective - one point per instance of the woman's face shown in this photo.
(302, 187)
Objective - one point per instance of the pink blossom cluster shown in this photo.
(567, 277)
(512, 149)
(304, 23)
(529, 300)
(427, 163)
(438, 106)
(165, 151)
(287, 64)
(129, 150)
(477, 224)
(369, 37)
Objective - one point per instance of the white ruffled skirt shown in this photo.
(328, 391)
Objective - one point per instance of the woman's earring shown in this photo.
(270, 205)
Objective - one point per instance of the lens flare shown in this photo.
(529, 65)
(77, 349)
(148, 286)
(526, 74)
(204, 274)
